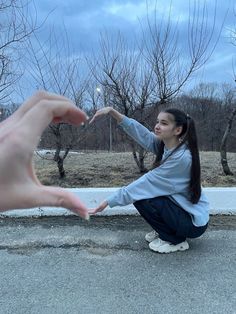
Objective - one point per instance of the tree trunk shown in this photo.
(60, 161)
(139, 159)
(57, 158)
(60, 165)
(223, 151)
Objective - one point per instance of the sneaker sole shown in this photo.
(173, 250)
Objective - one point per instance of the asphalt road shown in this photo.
(65, 265)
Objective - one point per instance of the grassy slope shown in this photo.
(117, 169)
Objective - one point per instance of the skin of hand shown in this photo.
(100, 208)
(19, 137)
(100, 112)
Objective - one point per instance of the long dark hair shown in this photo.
(188, 136)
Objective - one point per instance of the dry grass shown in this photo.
(104, 169)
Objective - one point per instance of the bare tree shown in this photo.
(230, 101)
(155, 71)
(231, 117)
(16, 26)
(52, 68)
(127, 80)
(175, 63)
(223, 148)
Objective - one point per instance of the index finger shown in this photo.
(33, 123)
(28, 105)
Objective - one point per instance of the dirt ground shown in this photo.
(103, 169)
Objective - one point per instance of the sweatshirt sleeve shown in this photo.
(169, 178)
(140, 134)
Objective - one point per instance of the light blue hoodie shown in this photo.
(170, 179)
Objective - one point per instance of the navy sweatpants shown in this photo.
(172, 223)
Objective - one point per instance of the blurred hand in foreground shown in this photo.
(19, 137)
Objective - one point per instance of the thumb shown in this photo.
(59, 197)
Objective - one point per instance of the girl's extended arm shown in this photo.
(108, 110)
(133, 128)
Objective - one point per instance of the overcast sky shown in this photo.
(85, 19)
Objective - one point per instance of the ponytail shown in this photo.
(195, 178)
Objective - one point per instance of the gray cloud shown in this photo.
(84, 20)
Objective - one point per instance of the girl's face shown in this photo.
(165, 128)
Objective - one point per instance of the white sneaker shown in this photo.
(149, 237)
(161, 246)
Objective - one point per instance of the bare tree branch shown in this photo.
(52, 68)
(172, 65)
(16, 26)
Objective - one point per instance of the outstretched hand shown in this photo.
(100, 112)
(100, 208)
(19, 137)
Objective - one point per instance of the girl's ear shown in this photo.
(178, 130)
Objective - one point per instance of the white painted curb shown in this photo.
(222, 201)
